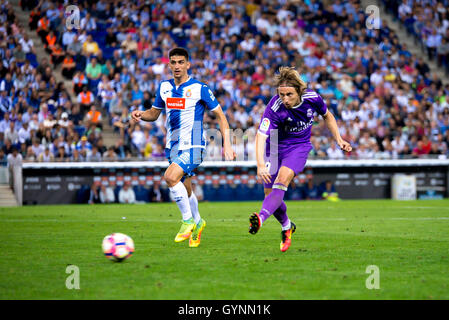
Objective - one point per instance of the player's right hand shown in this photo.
(229, 153)
(136, 115)
(263, 173)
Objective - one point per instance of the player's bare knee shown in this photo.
(282, 181)
(170, 179)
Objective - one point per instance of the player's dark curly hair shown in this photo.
(288, 76)
(178, 51)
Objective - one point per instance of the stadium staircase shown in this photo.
(7, 198)
(404, 37)
(109, 138)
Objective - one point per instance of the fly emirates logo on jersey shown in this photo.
(176, 103)
(300, 126)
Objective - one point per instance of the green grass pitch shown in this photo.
(335, 242)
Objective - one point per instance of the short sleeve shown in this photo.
(319, 105)
(158, 101)
(207, 96)
(270, 120)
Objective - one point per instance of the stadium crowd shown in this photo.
(387, 102)
(428, 22)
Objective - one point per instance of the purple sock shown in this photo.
(281, 215)
(272, 201)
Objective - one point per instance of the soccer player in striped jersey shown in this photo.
(287, 120)
(185, 100)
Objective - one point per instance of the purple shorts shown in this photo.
(292, 156)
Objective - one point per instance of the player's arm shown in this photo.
(262, 171)
(225, 133)
(153, 113)
(149, 115)
(331, 124)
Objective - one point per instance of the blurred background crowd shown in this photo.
(387, 102)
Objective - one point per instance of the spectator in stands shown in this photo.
(137, 137)
(122, 122)
(50, 42)
(126, 194)
(61, 155)
(8, 147)
(93, 73)
(129, 45)
(110, 155)
(88, 23)
(76, 156)
(334, 153)
(311, 191)
(75, 48)
(43, 28)
(295, 192)
(85, 99)
(94, 155)
(46, 156)
(37, 147)
(68, 66)
(19, 55)
(83, 144)
(405, 152)
(90, 47)
(106, 194)
(158, 154)
(156, 193)
(11, 134)
(443, 53)
(94, 196)
(57, 55)
(387, 82)
(111, 38)
(93, 117)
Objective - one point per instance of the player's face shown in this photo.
(179, 66)
(289, 96)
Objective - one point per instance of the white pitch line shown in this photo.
(439, 208)
(218, 220)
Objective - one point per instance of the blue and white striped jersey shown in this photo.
(185, 107)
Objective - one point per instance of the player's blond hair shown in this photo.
(289, 77)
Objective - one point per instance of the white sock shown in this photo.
(288, 226)
(194, 207)
(179, 193)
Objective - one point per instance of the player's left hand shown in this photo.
(345, 146)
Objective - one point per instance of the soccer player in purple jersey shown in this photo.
(290, 115)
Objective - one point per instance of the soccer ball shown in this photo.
(118, 246)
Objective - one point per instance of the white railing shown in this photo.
(310, 163)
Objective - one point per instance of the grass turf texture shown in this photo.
(333, 245)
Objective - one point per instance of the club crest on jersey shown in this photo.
(309, 113)
(189, 93)
(265, 124)
(176, 103)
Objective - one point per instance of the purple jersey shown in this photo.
(294, 125)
